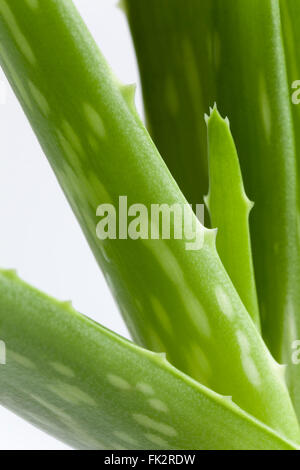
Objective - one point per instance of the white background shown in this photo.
(39, 235)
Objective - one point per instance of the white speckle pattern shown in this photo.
(117, 446)
(39, 98)
(18, 83)
(243, 342)
(247, 361)
(62, 369)
(71, 394)
(94, 119)
(157, 440)
(196, 312)
(150, 423)
(224, 302)
(67, 148)
(71, 136)
(172, 269)
(158, 405)
(21, 360)
(251, 370)
(145, 388)
(118, 382)
(19, 37)
(123, 436)
(167, 260)
(54, 409)
(292, 329)
(74, 427)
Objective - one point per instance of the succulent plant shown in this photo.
(210, 366)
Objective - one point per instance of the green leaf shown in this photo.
(245, 70)
(254, 92)
(173, 299)
(171, 56)
(287, 340)
(92, 389)
(229, 210)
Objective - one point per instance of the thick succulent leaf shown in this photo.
(290, 15)
(171, 56)
(288, 342)
(173, 299)
(229, 210)
(245, 65)
(253, 91)
(95, 390)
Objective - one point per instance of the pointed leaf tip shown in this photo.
(128, 92)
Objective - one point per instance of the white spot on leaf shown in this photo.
(248, 363)
(39, 98)
(157, 440)
(71, 136)
(150, 423)
(71, 394)
(118, 382)
(94, 119)
(158, 405)
(123, 436)
(145, 388)
(20, 359)
(20, 39)
(224, 302)
(62, 369)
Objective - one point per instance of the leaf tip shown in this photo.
(128, 92)
(121, 5)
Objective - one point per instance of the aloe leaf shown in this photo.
(288, 341)
(290, 11)
(258, 104)
(246, 65)
(261, 121)
(99, 150)
(93, 389)
(171, 56)
(229, 210)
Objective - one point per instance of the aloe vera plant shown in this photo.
(230, 208)
(93, 389)
(187, 304)
(249, 65)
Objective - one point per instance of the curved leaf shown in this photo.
(100, 151)
(95, 390)
(229, 210)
